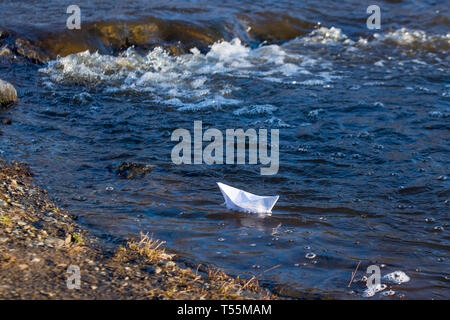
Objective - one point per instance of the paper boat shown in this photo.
(240, 200)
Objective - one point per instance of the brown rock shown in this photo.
(8, 93)
(132, 170)
(28, 50)
(4, 51)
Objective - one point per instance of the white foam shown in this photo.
(231, 52)
(402, 37)
(373, 289)
(255, 109)
(277, 123)
(406, 36)
(326, 35)
(192, 81)
(313, 82)
(189, 82)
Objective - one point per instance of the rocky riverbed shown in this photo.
(40, 242)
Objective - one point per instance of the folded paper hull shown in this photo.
(240, 200)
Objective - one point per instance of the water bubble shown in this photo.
(388, 293)
(338, 155)
(435, 114)
(394, 174)
(275, 230)
(378, 146)
(310, 255)
(315, 113)
(364, 134)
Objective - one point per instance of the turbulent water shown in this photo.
(364, 119)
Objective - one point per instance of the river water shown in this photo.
(363, 116)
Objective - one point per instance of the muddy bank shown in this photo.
(39, 242)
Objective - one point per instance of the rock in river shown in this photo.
(132, 170)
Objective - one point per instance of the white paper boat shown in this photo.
(240, 200)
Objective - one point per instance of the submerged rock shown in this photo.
(8, 93)
(28, 50)
(130, 170)
(112, 37)
(4, 51)
(12, 46)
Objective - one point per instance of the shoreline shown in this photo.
(41, 244)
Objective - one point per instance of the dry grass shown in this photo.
(4, 220)
(151, 249)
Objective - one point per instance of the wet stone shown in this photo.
(55, 242)
(8, 93)
(130, 170)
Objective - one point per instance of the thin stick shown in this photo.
(258, 274)
(353, 275)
